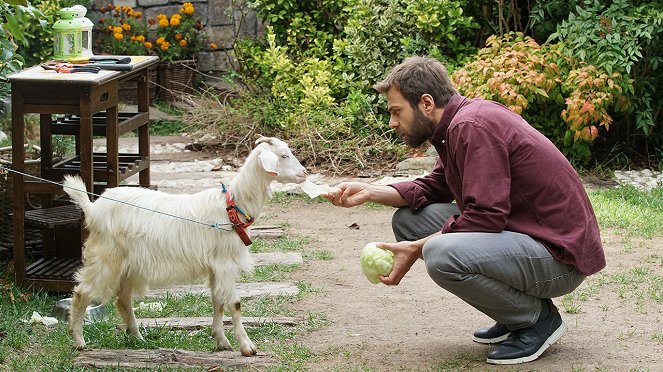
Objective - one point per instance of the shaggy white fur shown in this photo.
(131, 248)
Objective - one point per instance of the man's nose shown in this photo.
(392, 122)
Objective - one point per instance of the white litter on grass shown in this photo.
(36, 318)
(313, 190)
(150, 306)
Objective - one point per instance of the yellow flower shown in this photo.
(161, 40)
(117, 30)
(148, 45)
(165, 46)
(132, 38)
(174, 21)
(126, 27)
(163, 23)
(187, 8)
(212, 46)
(118, 36)
(161, 16)
(183, 43)
(178, 36)
(140, 38)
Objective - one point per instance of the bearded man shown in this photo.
(502, 221)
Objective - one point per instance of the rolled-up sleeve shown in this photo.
(425, 190)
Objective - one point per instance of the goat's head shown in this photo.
(278, 161)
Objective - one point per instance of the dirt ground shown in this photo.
(419, 326)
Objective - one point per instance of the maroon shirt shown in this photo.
(505, 175)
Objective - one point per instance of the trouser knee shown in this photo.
(443, 263)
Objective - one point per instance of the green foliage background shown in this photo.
(586, 73)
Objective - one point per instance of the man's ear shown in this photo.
(427, 103)
(269, 160)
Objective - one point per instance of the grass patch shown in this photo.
(167, 127)
(637, 213)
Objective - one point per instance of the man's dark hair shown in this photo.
(416, 76)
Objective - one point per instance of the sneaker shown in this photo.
(527, 344)
(491, 335)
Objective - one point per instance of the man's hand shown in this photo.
(350, 194)
(406, 253)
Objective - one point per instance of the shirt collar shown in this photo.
(450, 110)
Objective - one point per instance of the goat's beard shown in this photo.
(421, 130)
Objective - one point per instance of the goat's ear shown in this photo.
(268, 160)
(262, 139)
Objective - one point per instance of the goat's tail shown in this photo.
(75, 188)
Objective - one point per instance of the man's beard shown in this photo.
(421, 130)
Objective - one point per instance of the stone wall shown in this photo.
(225, 21)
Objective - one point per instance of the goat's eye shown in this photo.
(285, 156)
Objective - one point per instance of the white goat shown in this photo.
(130, 248)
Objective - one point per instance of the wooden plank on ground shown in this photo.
(159, 358)
(243, 290)
(265, 232)
(281, 258)
(198, 322)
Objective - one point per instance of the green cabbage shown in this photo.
(375, 262)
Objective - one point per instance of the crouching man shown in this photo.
(503, 221)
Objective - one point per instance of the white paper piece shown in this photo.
(150, 306)
(313, 190)
(45, 320)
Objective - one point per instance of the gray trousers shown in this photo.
(504, 275)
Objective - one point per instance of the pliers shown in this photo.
(69, 68)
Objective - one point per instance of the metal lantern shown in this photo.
(67, 34)
(86, 34)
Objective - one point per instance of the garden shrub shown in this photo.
(566, 100)
(623, 36)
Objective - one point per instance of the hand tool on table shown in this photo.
(69, 68)
(106, 62)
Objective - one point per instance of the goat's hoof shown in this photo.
(79, 346)
(249, 350)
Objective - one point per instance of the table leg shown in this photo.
(18, 158)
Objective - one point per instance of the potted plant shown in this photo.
(177, 39)
(123, 31)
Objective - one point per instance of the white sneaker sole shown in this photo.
(489, 341)
(551, 340)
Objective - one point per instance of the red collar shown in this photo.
(238, 225)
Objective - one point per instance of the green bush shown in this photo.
(568, 101)
(623, 36)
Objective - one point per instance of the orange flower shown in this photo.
(118, 36)
(140, 38)
(165, 45)
(183, 43)
(160, 40)
(212, 46)
(148, 45)
(161, 16)
(117, 30)
(163, 23)
(178, 36)
(126, 26)
(174, 21)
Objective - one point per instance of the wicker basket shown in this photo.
(176, 78)
(33, 237)
(128, 90)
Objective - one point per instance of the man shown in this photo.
(522, 229)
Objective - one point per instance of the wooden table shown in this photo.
(82, 105)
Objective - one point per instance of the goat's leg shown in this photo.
(246, 346)
(217, 319)
(79, 304)
(126, 310)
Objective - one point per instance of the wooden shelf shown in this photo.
(53, 269)
(128, 164)
(66, 216)
(127, 122)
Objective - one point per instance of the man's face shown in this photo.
(412, 125)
